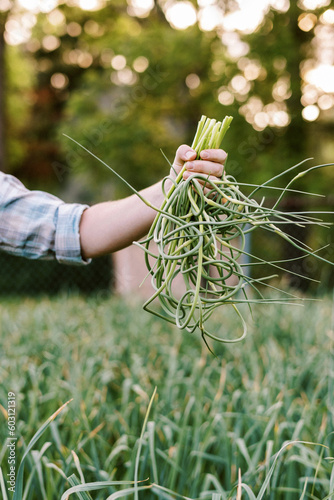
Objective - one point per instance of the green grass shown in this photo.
(211, 416)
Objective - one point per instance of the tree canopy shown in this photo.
(128, 78)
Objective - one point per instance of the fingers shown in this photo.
(211, 163)
(215, 155)
(204, 167)
(183, 154)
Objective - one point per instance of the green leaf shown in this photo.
(99, 485)
(19, 478)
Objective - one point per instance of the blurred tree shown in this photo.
(130, 77)
(140, 100)
(2, 93)
(129, 74)
(255, 76)
(16, 86)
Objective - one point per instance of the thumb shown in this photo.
(183, 154)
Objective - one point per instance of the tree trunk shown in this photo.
(2, 94)
(298, 128)
(296, 139)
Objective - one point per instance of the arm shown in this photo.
(111, 226)
(38, 225)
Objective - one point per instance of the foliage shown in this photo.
(127, 112)
(211, 415)
(127, 86)
(127, 125)
(19, 99)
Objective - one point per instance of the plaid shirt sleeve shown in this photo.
(38, 225)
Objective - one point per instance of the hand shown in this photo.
(211, 164)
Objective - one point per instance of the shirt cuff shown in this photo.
(67, 240)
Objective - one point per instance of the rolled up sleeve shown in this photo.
(38, 225)
(67, 240)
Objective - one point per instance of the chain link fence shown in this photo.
(20, 276)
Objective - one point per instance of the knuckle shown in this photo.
(183, 148)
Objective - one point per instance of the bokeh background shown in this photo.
(129, 78)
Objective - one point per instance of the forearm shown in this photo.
(110, 226)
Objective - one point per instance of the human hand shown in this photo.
(211, 163)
